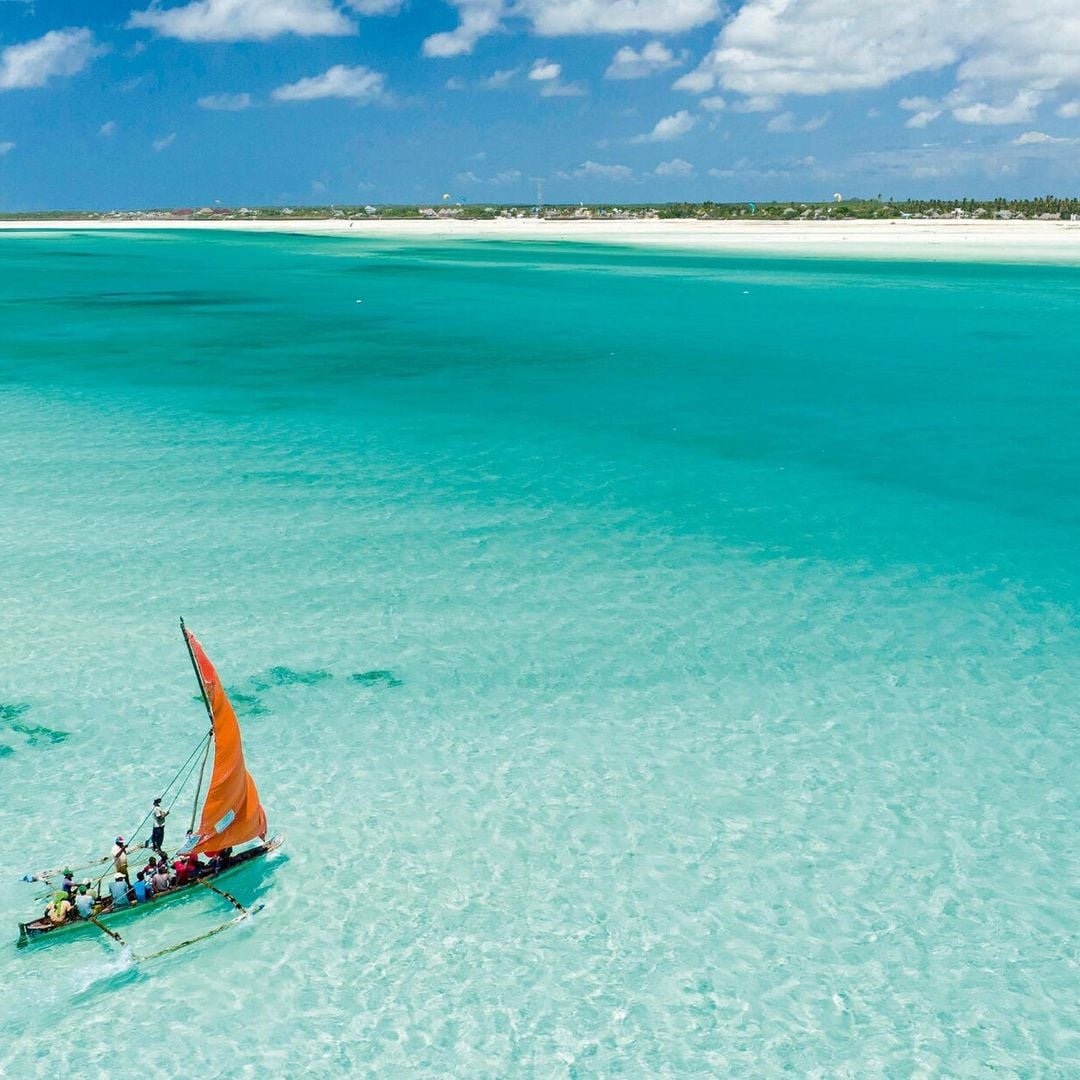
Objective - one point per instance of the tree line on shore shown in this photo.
(1042, 207)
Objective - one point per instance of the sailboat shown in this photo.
(231, 817)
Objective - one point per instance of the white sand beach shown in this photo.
(1056, 242)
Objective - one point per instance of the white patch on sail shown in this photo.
(225, 822)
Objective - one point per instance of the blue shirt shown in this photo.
(143, 891)
(119, 891)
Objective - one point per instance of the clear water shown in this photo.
(662, 665)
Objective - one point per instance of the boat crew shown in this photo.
(143, 889)
(157, 836)
(120, 858)
(118, 890)
(160, 880)
(59, 908)
(84, 902)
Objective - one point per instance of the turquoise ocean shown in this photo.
(662, 664)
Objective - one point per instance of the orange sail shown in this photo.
(232, 813)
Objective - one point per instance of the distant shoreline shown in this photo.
(1047, 242)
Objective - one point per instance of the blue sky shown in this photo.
(118, 104)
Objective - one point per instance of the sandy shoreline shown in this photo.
(1056, 242)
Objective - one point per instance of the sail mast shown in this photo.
(209, 713)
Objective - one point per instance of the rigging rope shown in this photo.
(190, 760)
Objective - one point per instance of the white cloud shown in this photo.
(1020, 110)
(544, 69)
(1069, 110)
(921, 119)
(756, 103)
(713, 104)
(695, 82)
(243, 20)
(359, 84)
(674, 167)
(376, 7)
(556, 18)
(108, 128)
(455, 83)
(785, 123)
(226, 102)
(668, 128)
(999, 47)
(628, 63)
(553, 18)
(59, 52)
(593, 170)
(925, 111)
(477, 19)
(1038, 138)
(561, 89)
(499, 80)
(164, 141)
(507, 176)
(6, 148)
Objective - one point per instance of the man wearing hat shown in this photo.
(58, 909)
(120, 859)
(157, 836)
(118, 890)
(84, 901)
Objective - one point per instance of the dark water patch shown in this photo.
(247, 704)
(283, 676)
(180, 298)
(176, 299)
(75, 255)
(34, 734)
(375, 678)
(5, 750)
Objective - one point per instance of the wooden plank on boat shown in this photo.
(105, 930)
(221, 892)
(244, 914)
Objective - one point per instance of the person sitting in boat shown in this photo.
(218, 860)
(186, 868)
(160, 880)
(84, 901)
(120, 858)
(151, 868)
(142, 888)
(67, 883)
(118, 890)
(59, 908)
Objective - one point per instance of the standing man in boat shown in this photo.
(157, 836)
(120, 858)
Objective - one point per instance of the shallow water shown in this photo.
(661, 664)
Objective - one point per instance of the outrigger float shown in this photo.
(232, 815)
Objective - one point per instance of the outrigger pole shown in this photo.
(209, 713)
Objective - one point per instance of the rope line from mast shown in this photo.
(205, 739)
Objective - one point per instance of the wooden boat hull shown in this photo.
(39, 928)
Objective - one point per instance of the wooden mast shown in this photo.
(210, 714)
